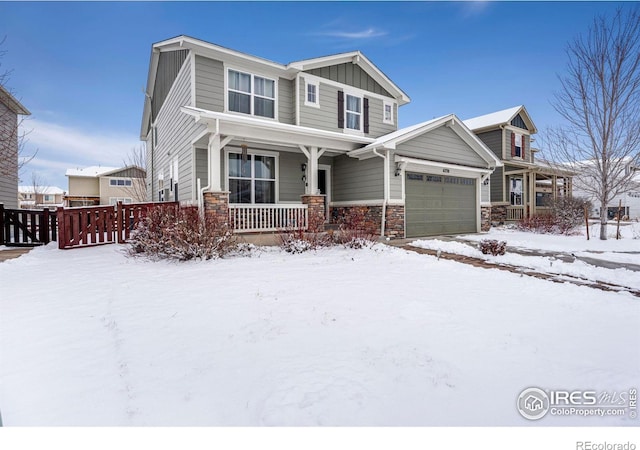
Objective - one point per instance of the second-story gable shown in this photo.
(343, 93)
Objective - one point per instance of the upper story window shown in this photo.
(251, 94)
(312, 94)
(119, 182)
(353, 112)
(517, 145)
(387, 112)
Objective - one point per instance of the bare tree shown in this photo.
(600, 100)
(137, 159)
(12, 134)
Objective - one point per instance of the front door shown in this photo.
(324, 186)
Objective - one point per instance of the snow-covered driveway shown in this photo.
(333, 337)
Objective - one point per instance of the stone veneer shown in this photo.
(485, 218)
(216, 205)
(498, 214)
(394, 226)
(317, 215)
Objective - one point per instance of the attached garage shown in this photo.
(438, 204)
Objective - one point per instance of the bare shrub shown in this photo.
(295, 240)
(171, 232)
(493, 247)
(565, 215)
(355, 230)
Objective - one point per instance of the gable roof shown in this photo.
(391, 140)
(12, 103)
(47, 190)
(504, 117)
(288, 71)
(91, 171)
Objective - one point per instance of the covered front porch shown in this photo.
(533, 191)
(265, 176)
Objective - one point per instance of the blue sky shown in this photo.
(81, 67)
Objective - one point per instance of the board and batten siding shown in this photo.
(209, 84)
(325, 117)
(355, 180)
(9, 182)
(351, 75)
(169, 65)
(441, 145)
(175, 132)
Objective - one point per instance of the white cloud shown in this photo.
(59, 142)
(368, 33)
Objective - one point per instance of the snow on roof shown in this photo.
(91, 171)
(49, 190)
(495, 118)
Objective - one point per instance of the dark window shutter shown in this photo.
(365, 120)
(513, 145)
(340, 109)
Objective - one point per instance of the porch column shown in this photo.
(313, 154)
(317, 215)
(554, 187)
(214, 147)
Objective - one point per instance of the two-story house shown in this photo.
(522, 187)
(266, 144)
(10, 109)
(40, 197)
(99, 185)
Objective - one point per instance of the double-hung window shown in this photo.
(387, 113)
(353, 112)
(251, 94)
(119, 182)
(515, 190)
(311, 94)
(252, 179)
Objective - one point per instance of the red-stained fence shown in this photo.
(98, 225)
(26, 227)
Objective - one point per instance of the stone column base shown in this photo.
(317, 214)
(216, 206)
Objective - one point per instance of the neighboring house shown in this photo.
(523, 187)
(40, 197)
(10, 109)
(255, 140)
(98, 185)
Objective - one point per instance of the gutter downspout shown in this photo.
(383, 220)
(208, 186)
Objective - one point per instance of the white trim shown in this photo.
(316, 85)
(352, 93)
(193, 80)
(251, 94)
(346, 87)
(327, 182)
(233, 149)
(297, 99)
(391, 104)
(376, 202)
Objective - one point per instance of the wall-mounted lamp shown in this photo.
(303, 166)
(398, 169)
(304, 178)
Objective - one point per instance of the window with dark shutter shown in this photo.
(365, 119)
(340, 109)
(513, 145)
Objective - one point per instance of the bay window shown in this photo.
(251, 94)
(252, 178)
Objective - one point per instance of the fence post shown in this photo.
(62, 235)
(2, 240)
(120, 223)
(44, 226)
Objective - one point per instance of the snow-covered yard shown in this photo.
(335, 337)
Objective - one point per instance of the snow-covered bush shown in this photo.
(492, 247)
(355, 230)
(299, 241)
(564, 216)
(180, 233)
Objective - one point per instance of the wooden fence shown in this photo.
(98, 225)
(27, 227)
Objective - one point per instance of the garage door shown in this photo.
(437, 204)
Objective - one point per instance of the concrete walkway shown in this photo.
(13, 252)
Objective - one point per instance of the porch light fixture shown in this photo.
(303, 166)
(398, 171)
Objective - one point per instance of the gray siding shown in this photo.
(493, 140)
(176, 131)
(169, 64)
(9, 175)
(527, 148)
(290, 176)
(355, 180)
(351, 75)
(286, 101)
(326, 116)
(497, 183)
(209, 84)
(442, 145)
(128, 173)
(202, 167)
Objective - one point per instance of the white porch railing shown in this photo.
(515, 213)
(256, 218)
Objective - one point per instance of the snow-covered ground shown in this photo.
(379, 336)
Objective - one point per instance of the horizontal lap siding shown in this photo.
(9, 182)
(441, 145)
(176, 130)
(290, 172)
(377, 127)
(285, 101)
(326, 116)
(527, 148)
(493, 140)
(202, 167)
(209, 84)
(497, 183)
(355, 180)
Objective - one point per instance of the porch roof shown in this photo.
(270, 131)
